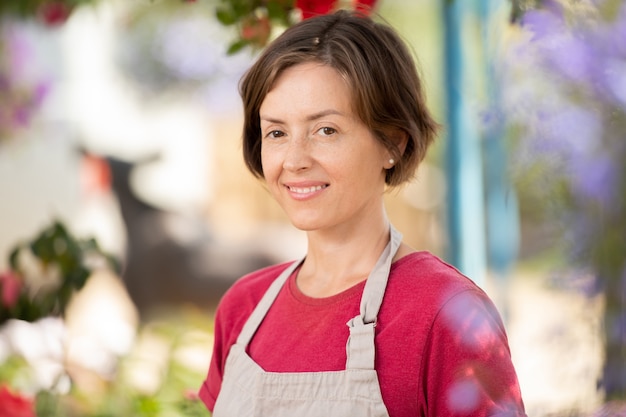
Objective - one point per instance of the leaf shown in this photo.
(89, 245)
(114, 263)
(147, 406)
(225, 17)
(236, 47)
(276, 11)
(46, 403)
(243, 8)
(79, 277)
(13, 256)
(56, 247)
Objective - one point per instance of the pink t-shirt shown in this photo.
(441, 348)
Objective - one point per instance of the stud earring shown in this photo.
(391, 161)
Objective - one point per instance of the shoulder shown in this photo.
(421, 283)
(459, 338)
(426, 275)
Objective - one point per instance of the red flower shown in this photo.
(364, 6)
(15, 405)
(10, 287)
(256, 30)
(311, 8)
(54, 13)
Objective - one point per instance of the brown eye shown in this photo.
(327, 131)
(275, 134)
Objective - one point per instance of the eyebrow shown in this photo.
(309, 118)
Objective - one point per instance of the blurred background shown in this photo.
(120, 120)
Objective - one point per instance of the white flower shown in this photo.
(42, 345)
(38, 277)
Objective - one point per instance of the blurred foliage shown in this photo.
(258, 20)
(254, 20)
(49, 12)
(168, 46)
(564, 89)
(180, 337)
(519, 7)
(46, 271)
(20, 96)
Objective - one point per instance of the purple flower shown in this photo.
(542, 23)
(618, 328)
(42, 90)
(575, 137)
(21, 116)
(615, 80)
(572, 130)
(617, 42)
(18, 51)
(572, 57)
(594, 177)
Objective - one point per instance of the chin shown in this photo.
(305, 224)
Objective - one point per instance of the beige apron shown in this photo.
(248, 391)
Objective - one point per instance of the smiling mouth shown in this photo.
(306, 190)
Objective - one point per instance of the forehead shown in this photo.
(309, 83)
(309, 72)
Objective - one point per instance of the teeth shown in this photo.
(306, 190)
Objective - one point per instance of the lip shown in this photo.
(305, 190)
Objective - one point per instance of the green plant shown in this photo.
(45, 272)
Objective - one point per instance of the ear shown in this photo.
(399, 138)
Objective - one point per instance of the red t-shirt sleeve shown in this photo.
(467, 362)
(213, 382)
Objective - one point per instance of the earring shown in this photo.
(391, 161)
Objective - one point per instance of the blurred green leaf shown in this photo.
(13, 367)
(243, 8)
(47, 404)
(225, 17)
(13, 257)
(56, 247)
(236, 46)
(276, 11)
(147, 406)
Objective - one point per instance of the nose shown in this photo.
(298, 154)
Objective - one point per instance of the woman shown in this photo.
(334, 113)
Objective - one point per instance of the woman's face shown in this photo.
(321, 163)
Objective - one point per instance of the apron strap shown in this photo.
(360, 348)
(376, 283)
(257, 316)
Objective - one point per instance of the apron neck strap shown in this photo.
(257, 316)
(360, 348)
(376, 283)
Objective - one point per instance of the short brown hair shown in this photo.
(387, 91)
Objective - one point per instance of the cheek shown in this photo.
(269, 165)
(367, 158)
(368, 170)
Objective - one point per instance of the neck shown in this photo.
(340, 259)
